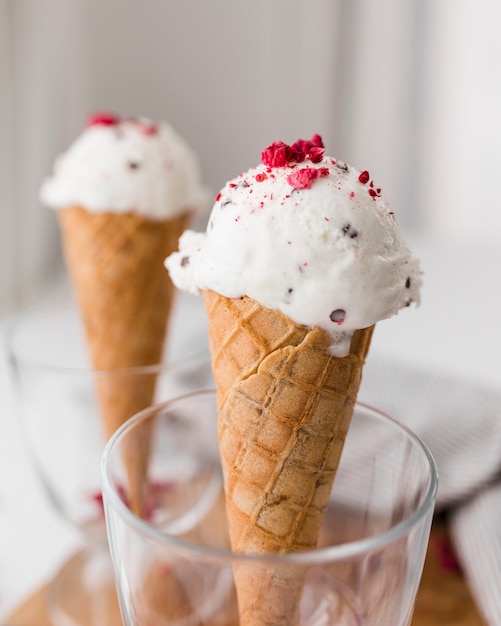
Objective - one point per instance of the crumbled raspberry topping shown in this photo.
(316, 154)
(279, 154)
(312, 149)
(364, 177)
(303, 178)
(147, 127)
(103, 119)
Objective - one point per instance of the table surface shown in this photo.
(443, 598)
(428, 336)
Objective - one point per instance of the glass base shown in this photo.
(83, 592)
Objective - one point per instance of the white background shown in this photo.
(408, 89)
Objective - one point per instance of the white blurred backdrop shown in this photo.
(408, 89)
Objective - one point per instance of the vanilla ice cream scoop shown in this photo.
(126, 165)
(305, 234)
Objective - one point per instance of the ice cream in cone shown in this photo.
(301, 258)
(123, 193)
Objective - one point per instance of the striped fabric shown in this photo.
(476, 532)
(461, 424)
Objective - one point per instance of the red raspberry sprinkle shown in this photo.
(261, 177)
(312, 149)
(299, 153)
(276, 155)
(144, 126)
(364, 177)
(316, 154)
(149, 129)
(303, 178)
(279, 154)
(103, 119)
(111, 119)
(316, 140)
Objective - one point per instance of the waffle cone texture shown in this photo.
(284, 409)
(116, 266)
(115, 262)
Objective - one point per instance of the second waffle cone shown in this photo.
(285, 405)
(116, 266)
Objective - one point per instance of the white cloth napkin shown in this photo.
(461, 424)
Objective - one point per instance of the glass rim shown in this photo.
(317, 555)
(20, 358)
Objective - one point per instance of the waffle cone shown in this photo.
(116, 266)
(285, 405)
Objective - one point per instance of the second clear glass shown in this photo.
(172, 559)
(61, 414)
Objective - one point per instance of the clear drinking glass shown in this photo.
(172, 560)
(60, 400)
